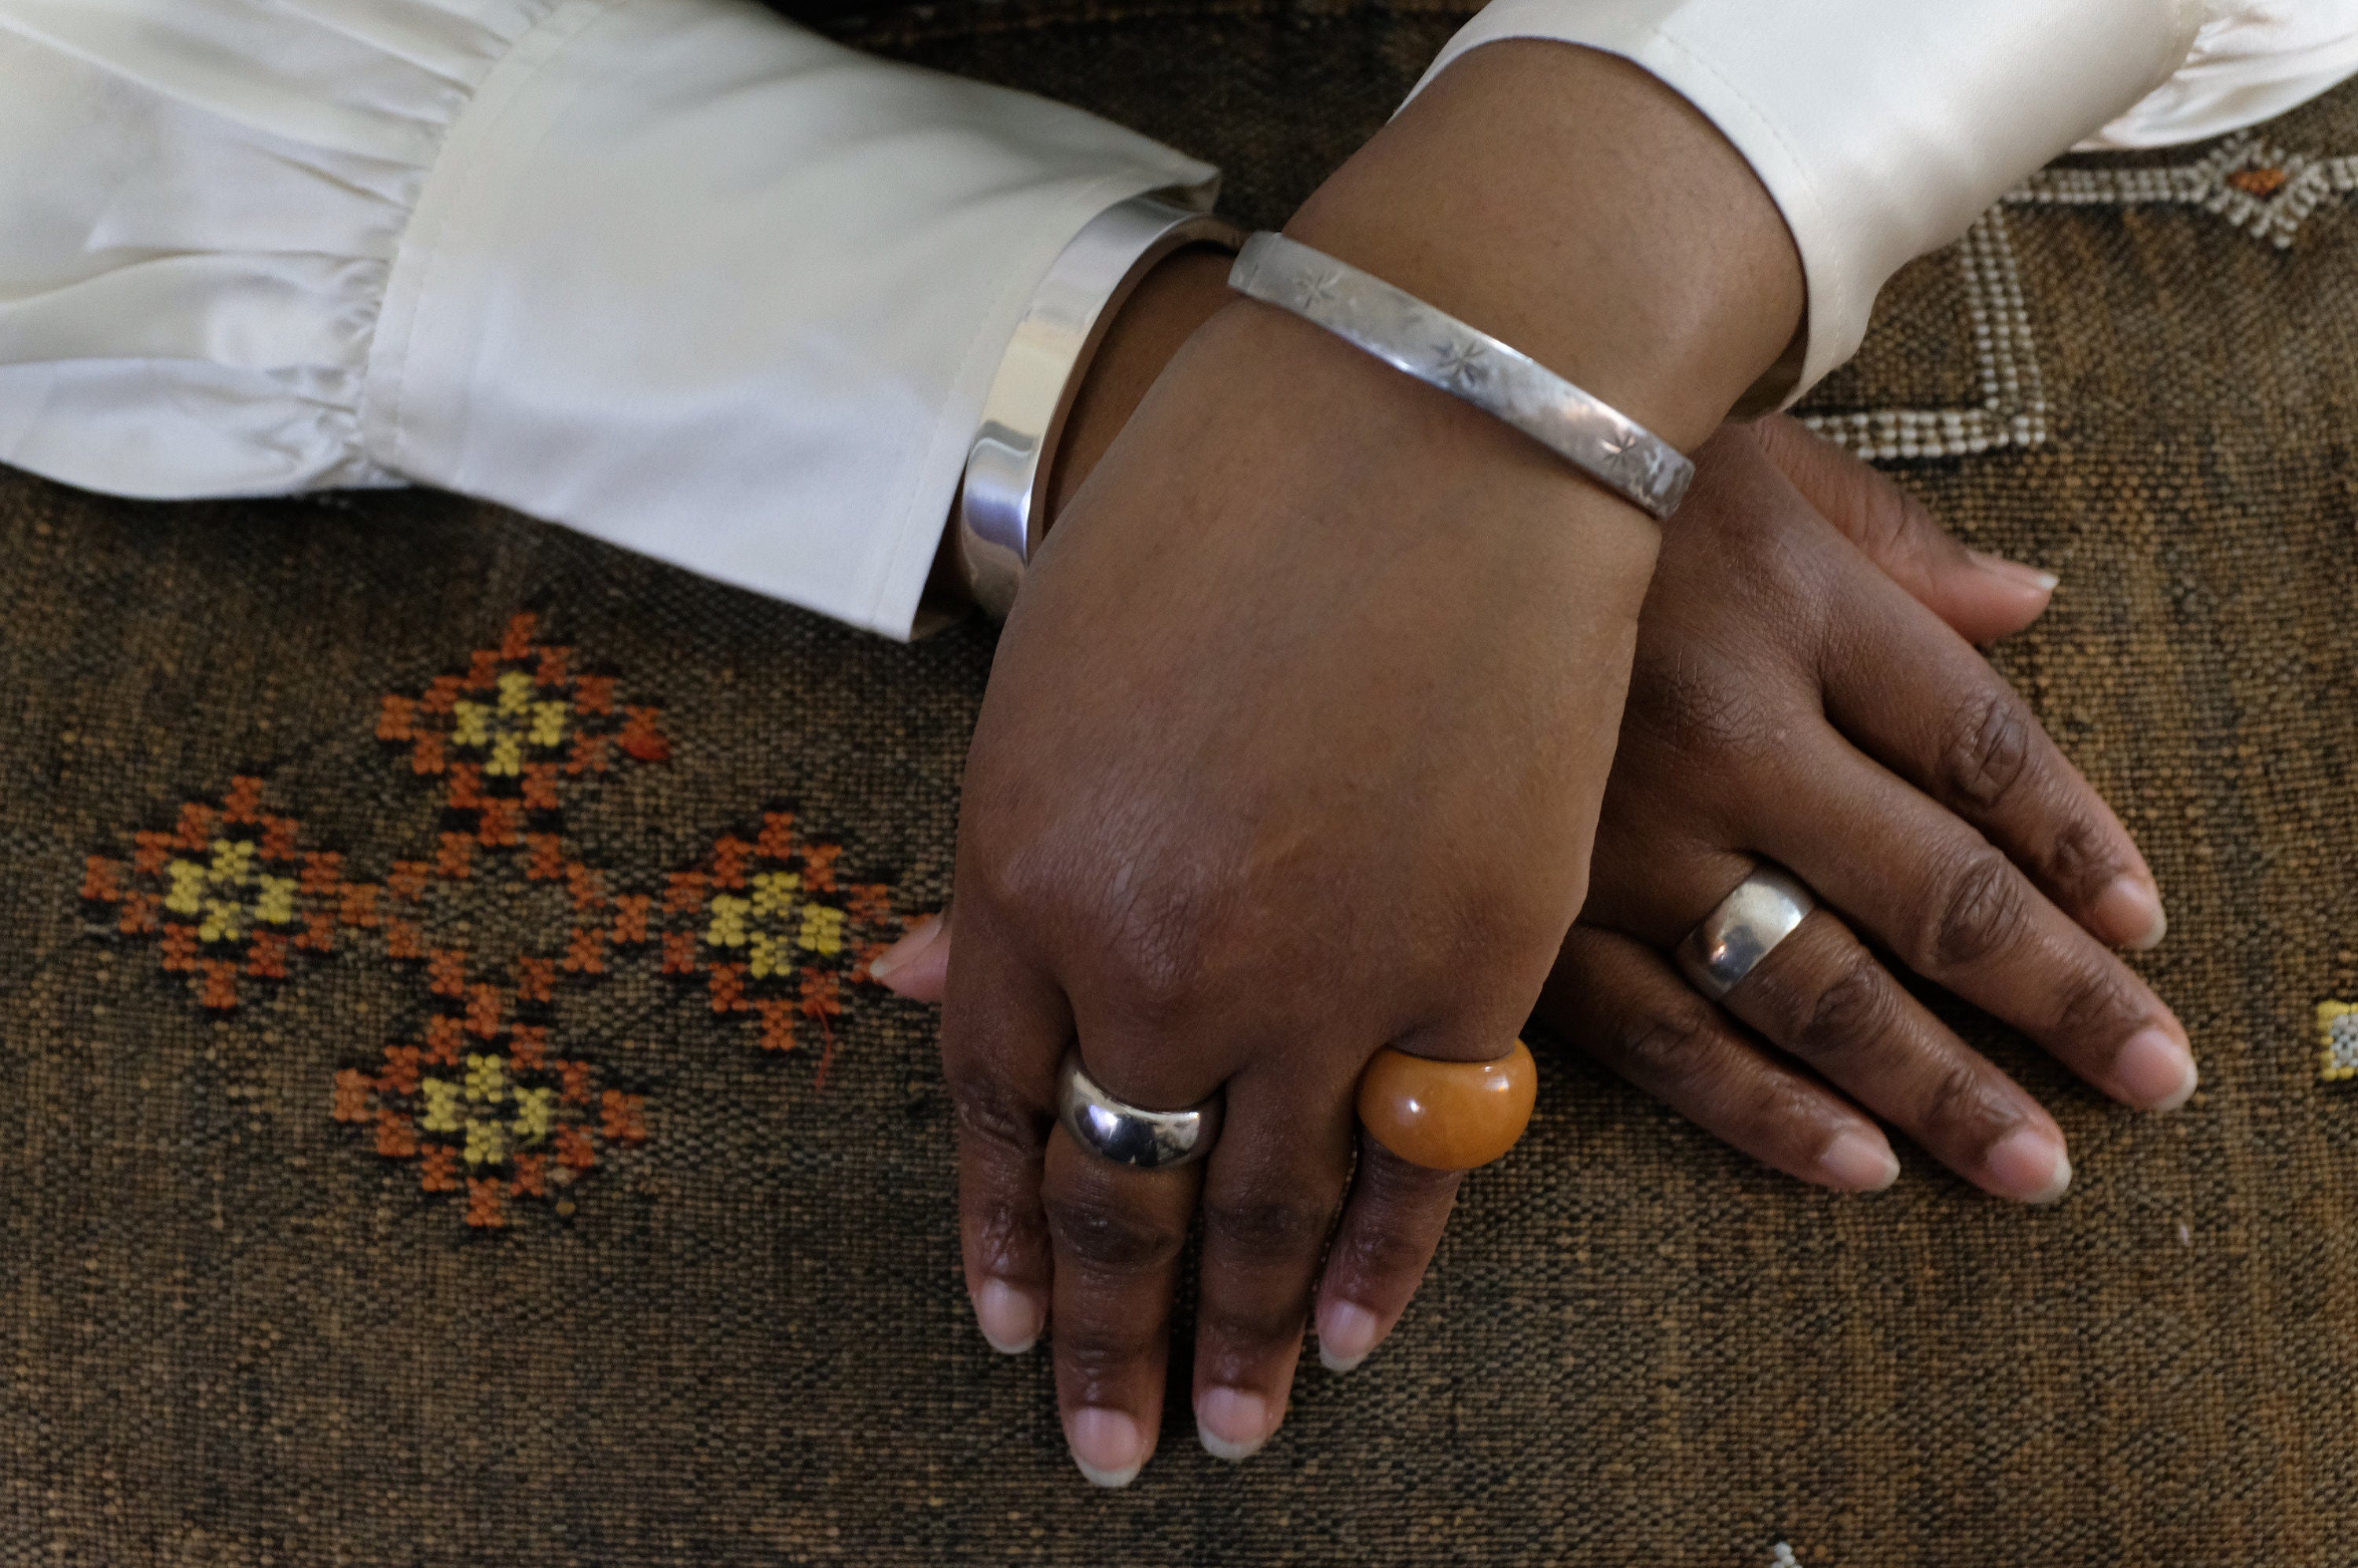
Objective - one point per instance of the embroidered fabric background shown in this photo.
(447, 1120)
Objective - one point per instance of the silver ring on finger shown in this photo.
(1743, 929)
(1127, 1134)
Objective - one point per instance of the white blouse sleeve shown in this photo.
(1883, 129)
(672, 272)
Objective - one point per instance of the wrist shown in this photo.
(1568, 203)
(1184, 289)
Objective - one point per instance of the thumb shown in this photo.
(918, 964)
(1982, 596)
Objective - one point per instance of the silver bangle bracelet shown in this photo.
(1443, 351)
(1002, 501)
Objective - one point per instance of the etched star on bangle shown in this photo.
(1321, 289)
(1462, 364)
(1620, 450)
(1443, 351)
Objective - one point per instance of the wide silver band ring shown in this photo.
(1128, 1134)
(1743, 929)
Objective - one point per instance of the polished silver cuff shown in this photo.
(1443, 351)
(1002, 501)
(1128, 1134)
(1742, 929)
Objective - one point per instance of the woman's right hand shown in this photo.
(1805, 693)
(1293, 742)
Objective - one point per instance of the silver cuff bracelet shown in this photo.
(1443, 351)
(1002, 501)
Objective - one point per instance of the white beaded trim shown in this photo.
(2013, 409)
(2300, 183)
(2288, 187)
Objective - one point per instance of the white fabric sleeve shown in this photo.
(1882, 130)
(2253, 60)
(672, 272)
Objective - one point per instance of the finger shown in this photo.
(1959, 732)
(1956, 910)
(1626, 1006)
(918, 964)
(1821, 995)
(1982, 596)
(1391, 1224)
(1271, 1190)
(1118, 1232)
(1004, 1031)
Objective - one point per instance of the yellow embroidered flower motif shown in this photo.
(773, 955)
(776, 925)
(514, 687)
(822, 929)
(727, 927)
(226, 895)
(487, 1144)
(512, 720)
(487, 1079)
(773, 893)
(536, 1112)
(441, 1106)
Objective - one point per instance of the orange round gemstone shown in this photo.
(1448, 1115)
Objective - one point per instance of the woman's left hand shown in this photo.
(1806, 693)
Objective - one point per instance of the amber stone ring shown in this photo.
(1447, 1115)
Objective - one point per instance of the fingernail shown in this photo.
(1346, 1331)
(2028, 1164)
(2155, 1071)
(2130, 912)
(1860, 1162)
(1107, 1444)
(2015, 571)
(1232, 1423)
(914, 941)
(1011, 1319)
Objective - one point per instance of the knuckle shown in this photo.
(1379, 1250)
(1856, 1009)
(1099, 1234)
(1266, 1225)
(988, 1109)
(1979, 911)
(1673, 1045)
(1912, 534)
(1953, 1096)
(1401, 1212)
(1002, 1236)
(2081, 858)
(1225, 1324)
(1780, 1110)
(2096, 1005)
(1097, 1351)
(1988, 750)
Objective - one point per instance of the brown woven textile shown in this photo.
(707, 1310)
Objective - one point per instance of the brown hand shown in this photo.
(1794, 700)
(1295, 742)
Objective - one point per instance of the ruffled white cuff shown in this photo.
(672, 272)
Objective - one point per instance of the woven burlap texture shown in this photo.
(731, 1330)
